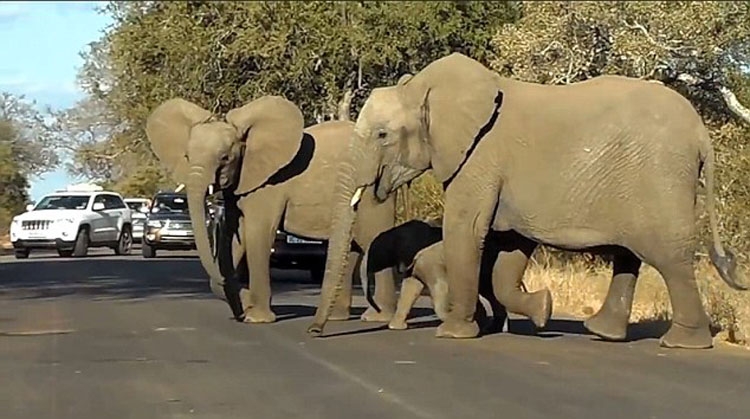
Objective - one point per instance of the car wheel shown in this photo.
(22, 253)
(65, 253)
(82, 243)
(317, 275)
(148, 251)
(125, 243)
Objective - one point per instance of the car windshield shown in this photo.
(170, 204)
(135, 206)
(67, 202)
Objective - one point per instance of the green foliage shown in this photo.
(223, 54)
(13, 182)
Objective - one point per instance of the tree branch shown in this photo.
(729, 97)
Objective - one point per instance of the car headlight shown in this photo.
(154, 223)
(65, 220)
(14, 221)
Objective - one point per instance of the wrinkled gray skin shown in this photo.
(609, 164)
(260, 156)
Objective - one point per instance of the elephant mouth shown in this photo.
(380, 193)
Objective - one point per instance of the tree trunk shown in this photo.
(345, 106)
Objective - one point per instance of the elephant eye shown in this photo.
(382, 134)
(225, 157)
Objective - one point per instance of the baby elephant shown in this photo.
(415, 249)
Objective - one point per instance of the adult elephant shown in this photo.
(610, 164)
(276, 174)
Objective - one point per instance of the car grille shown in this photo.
(180, 226)
(36, 224)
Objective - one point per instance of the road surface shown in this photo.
(123, 337)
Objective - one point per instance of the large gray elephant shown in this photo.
(610, 164)
(278, 175)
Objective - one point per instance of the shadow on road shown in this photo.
(122, 279)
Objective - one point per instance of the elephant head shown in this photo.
(238, 154)
(430, 120)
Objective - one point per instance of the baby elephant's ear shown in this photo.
(168, 131)
(272, 128)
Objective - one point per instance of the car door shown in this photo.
(113, 208)
(99, 220)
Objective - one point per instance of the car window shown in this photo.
(170, 203)
(68, 202)
(113, 202)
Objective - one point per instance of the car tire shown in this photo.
(148, 251)
(22, 253)
(81, 247)
(125, 242)
(65, 253)
(317, 274)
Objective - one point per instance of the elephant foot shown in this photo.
(259, 315)
(398, 325)
(679, 336)
(542, 301)
(370, 315)
(458, 329)
(607, 326)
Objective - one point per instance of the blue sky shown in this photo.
(39, 59)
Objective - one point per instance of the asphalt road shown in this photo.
(123, 337)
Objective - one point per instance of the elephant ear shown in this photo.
(272, 127)
(457, 99)
(168, 131)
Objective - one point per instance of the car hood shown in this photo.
(49, 214)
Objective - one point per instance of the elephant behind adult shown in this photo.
(610, 163)
(275, 172)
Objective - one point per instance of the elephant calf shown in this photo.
(415, 248)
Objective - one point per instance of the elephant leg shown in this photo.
(611, 321)
(259, 233)
(499, 313)
(343, 303)
(690, 324)
(411, 288)
(507, 276)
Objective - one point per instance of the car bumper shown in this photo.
(167, 240)
(43, 244)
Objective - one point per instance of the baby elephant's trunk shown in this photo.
(367, 276)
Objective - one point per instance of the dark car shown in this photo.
(293, 252)
(167, 225)
(288, 251)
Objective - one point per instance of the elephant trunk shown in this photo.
(367, 278)
(346, 196)
(196, 191)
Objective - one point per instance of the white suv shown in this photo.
(73, 220)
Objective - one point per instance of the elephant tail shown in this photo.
(723, 259)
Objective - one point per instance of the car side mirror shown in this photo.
(29, 207)
(98, 206)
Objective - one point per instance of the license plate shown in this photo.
(180, 233)
(296, 240)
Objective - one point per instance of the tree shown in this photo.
(701, 49)
(13, 182)
(33, 141)
(324, 56)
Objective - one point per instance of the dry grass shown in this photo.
(578, 289)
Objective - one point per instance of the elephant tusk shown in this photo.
(357, 196)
